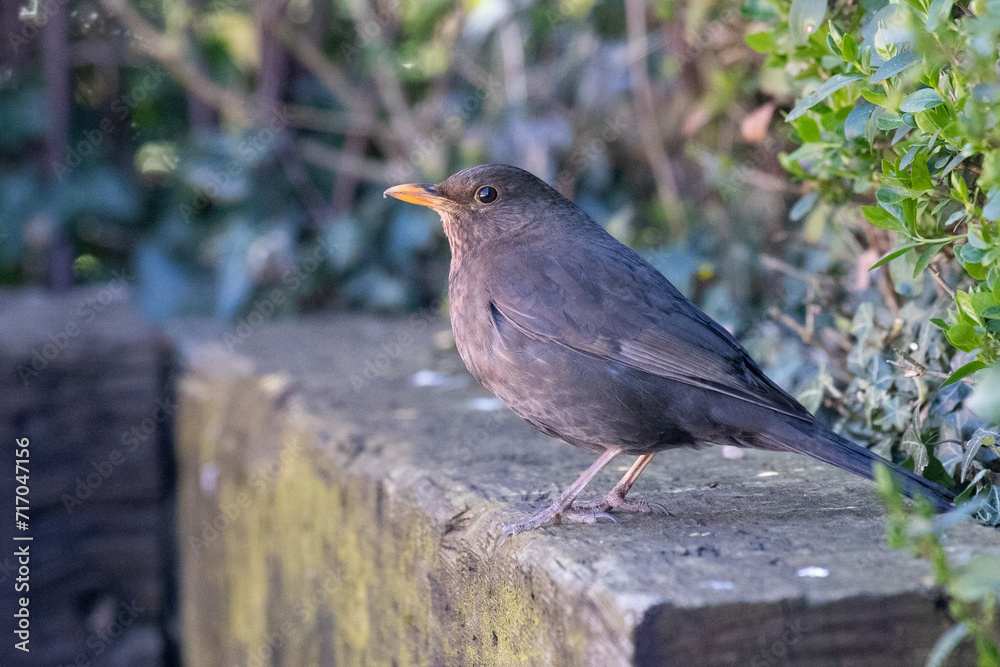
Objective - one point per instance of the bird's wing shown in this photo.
(606, 303)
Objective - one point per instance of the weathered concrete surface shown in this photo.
(332, 512)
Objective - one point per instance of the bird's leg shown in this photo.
(616, 496)
(557, 509)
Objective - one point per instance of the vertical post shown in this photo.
(57, 97)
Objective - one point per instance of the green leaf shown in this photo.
(955, 161)
(893, 255)
(808, 130)
(889, 196)
(938, 11)
(920, 177)
(963, 336)
(761, 42)
(958, 182)
(991, 209)
(978, 580)
(976, 270)
(949, 641)
(939, 323)
(831, 86)
(926, 256)
(963, 372)
(802, 206)
(993, 312)
(908, 158)
(804, 17)
(894, 66)
(854, 126)
(849, 47)
(912, 445)
(831, 44)
(872, 125)
(921, 100)
(874, 97)
(970, 254)
(890, 121)
(881, 218)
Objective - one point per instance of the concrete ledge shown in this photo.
(332, 512)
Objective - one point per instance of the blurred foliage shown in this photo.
(971, 589)
(217, 166)
(896, 108)
(229, 156)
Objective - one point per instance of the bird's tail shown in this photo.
(821, 443)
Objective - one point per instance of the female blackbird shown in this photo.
(586, 341)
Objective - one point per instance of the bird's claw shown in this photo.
(618, 501)
(547, 516)
(584, 516)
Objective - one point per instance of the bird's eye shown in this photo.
(487, 194)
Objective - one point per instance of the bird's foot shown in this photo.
(615, 499)
(553, 514)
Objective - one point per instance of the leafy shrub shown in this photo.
(897, 109)
(971, 589)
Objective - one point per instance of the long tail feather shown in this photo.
(821, 443)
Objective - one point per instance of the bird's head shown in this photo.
(485, 202)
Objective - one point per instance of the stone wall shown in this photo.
(86, 381)
(343, 481)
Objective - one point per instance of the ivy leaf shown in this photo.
(832, 85)
(894, 66)
(921, 100)
(912, 445)
(963, 372)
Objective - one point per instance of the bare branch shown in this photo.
(169, 53)
(652, 142)
(368, 169)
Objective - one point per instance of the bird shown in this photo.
(585, 340)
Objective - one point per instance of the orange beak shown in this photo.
(421, 195)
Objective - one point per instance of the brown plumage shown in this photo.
(586, 341)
